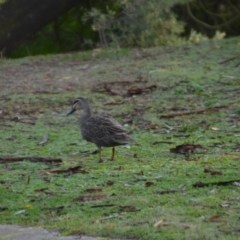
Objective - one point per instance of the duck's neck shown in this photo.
(87, 112)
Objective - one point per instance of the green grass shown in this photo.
(188, 77)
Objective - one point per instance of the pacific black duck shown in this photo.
(102, 130)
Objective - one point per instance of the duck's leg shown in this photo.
(113, 153)
(100, 155)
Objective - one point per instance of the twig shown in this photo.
(229, 59)
(31, 159)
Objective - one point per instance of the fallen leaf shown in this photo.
(128, 208)
(168, 191)
(28, 206)
(109, 183)
(224, 183)
(92, 190)
(212, 172)
(103, 205)
(112, 91)
(44, 141)
(224, 204)
(113, 102)
(148, 184)
(115, 215)
(44, 172)
(40, 189)
(138, 90)
(158, 224)
(215, 218)
(19, 212)
(186, 149)
(214, 190)
(71, 170)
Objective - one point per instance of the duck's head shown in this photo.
(79, 101)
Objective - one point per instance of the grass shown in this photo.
(125, 198)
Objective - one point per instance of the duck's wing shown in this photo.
(109, 124)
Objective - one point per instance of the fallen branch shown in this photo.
(229, 59)
(201, 184)
(31, 159)
(199, 111)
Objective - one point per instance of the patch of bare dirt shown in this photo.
(45, 76)
(56, 74)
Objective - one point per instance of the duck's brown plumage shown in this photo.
(104, 131)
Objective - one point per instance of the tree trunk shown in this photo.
(21, 18)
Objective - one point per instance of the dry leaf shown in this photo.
(71, 170)
(212, 172)
(167, 191)
(148, 184)
(158, 224)
(215, 218)
(92, 190)
(186, 148)
(224, 204)
(128, 208)
(44, 141)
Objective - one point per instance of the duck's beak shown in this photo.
(71, 111)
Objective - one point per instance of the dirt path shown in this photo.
(14, 232)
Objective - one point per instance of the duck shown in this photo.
(103, 131)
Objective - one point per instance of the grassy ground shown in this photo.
(148, 192)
